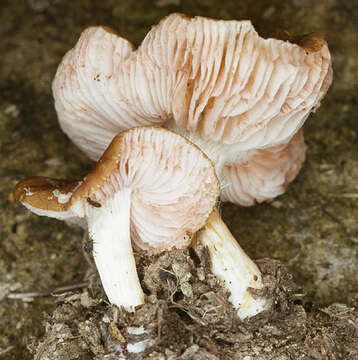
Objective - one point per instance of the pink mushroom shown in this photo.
(154, 189)
(238, 96)
(151, 188)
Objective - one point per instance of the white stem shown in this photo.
(109, 228)
(231, 265)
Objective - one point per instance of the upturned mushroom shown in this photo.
(154, 189)
(151, 188)
(240, 97)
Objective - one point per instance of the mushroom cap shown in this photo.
(46, 196)
(265, 175)
(173, 185)
(218, 79)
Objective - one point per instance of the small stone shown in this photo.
(189, 352)
(201, 274)
(106, 319)
(186, 289)
(178, 269)
(277, 204)
(152, 299)
(12, 110)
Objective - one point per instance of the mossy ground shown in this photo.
(313, 228)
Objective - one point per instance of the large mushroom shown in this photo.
(154, 189)
(240, 97)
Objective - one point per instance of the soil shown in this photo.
(312, 229)
(187, 315)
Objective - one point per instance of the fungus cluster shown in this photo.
(235, 104)
(151, 188)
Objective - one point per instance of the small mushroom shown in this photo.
(238, 96)
(152, 189)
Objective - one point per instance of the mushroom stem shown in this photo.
(231, 265)
(109, 229)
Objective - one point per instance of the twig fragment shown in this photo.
(28, 296)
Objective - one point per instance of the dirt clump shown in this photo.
(187, 315)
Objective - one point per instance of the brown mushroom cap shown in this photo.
(45, 196)
(311, 42)
(174, 188)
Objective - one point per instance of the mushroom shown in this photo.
(238, 96)
(233, 267)
(154, 189)
(151, 188)
(263, 175)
